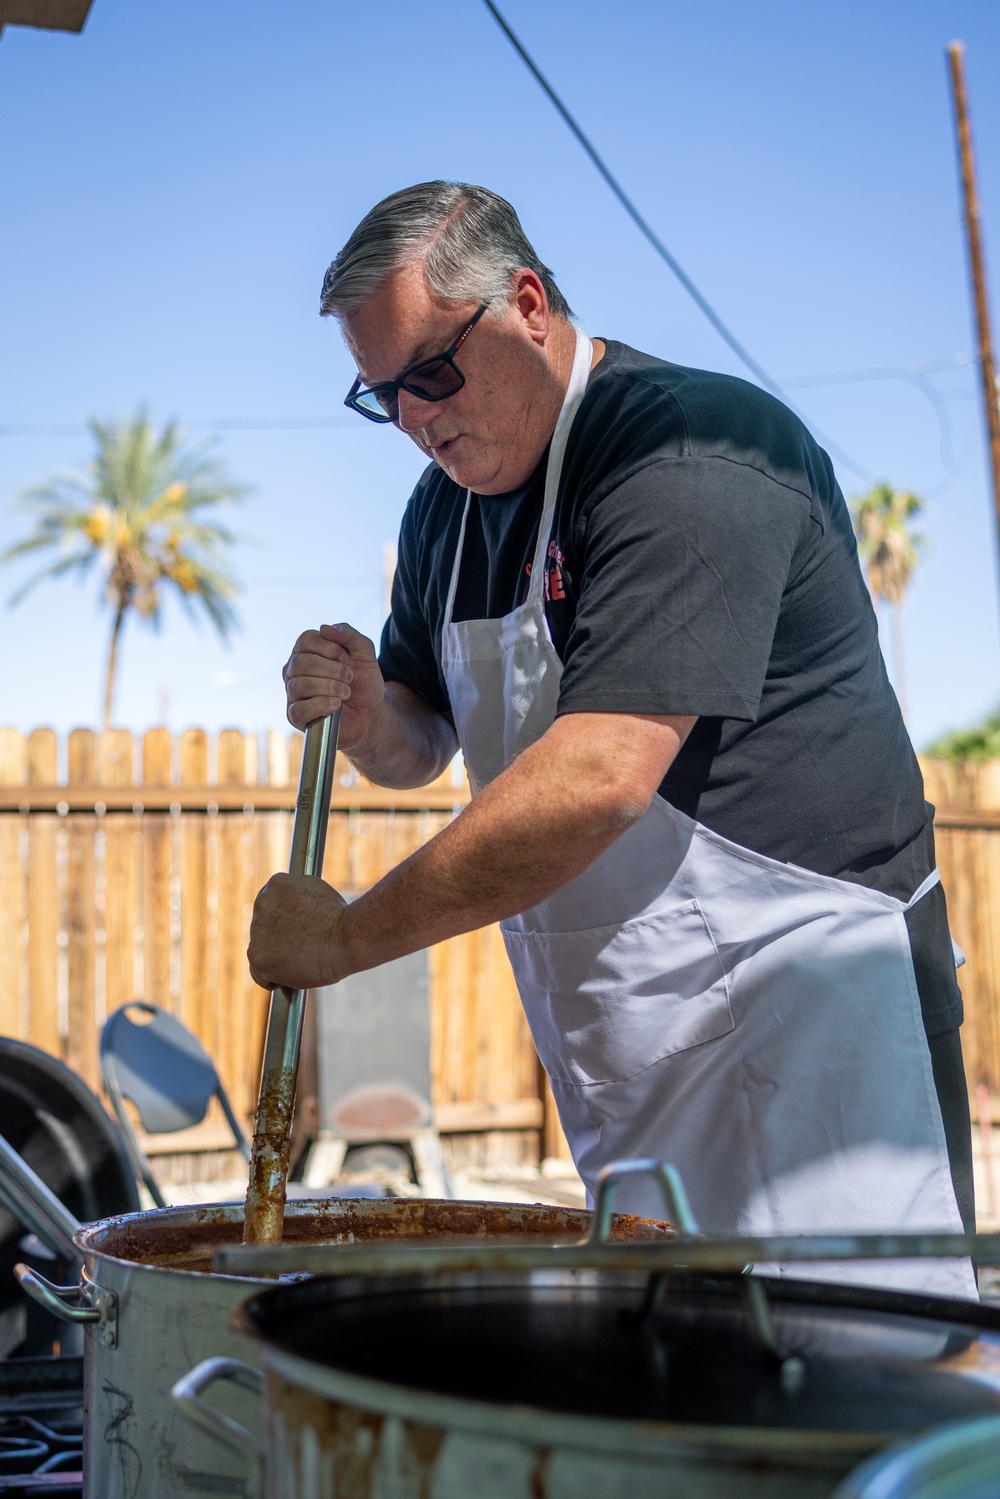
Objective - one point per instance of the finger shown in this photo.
(309, 689)
(308, 676)
(353, 640)
(301, 714)
(311, 642)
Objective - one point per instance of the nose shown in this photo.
(414, 414)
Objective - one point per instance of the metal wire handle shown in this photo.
(188, 1391)
(667, 1178)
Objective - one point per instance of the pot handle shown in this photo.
(187, 1393)
(667, 1177)
(92, 1304)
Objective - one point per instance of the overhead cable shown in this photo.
(757, 370)
(198, 424)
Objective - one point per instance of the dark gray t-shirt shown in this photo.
(702, 561)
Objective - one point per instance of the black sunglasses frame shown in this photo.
(393, 387)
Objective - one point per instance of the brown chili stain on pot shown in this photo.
(423, 1443)
(146, 1239)
(347, 1439)
(351, 1440)
(539, 1477)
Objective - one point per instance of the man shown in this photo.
(629, 592)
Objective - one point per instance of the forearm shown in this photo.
(407, 744)
(540, 824)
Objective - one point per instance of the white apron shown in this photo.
(753, 1023)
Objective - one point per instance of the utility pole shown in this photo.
(987, 368)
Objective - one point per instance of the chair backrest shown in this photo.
(160, 1066)
(374, 1051)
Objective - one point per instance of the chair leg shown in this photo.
(140, 1164)
(242, 1143)
(432, 1172)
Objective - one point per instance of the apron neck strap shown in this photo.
(575, 392)
(449, 607)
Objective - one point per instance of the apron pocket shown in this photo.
(606, 1003)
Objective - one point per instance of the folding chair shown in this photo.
(374, 1066)
(166, 1073)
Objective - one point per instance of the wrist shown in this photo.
(364, 750)
(337, 961)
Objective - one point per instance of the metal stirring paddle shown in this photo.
(264, 1214)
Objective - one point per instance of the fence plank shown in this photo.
(195, 1008)
(43, 902)
(232, 1037)
(13, 895)
(155, 872)
(122, 842)
(83, 1023)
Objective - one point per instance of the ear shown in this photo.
(532, 306)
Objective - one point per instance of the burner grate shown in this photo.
(41, 1426)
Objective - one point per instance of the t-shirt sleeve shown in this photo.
(683, 569)
(407, 653)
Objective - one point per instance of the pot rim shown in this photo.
(87, 1236)
(786, 1447)
(534, 1423)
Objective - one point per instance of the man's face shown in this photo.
(486, 437)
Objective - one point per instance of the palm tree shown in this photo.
(890, 550)
(136, 514)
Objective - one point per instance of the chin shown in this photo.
(467, 473)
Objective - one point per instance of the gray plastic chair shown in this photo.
(166, 1073)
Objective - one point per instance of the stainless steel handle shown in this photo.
(36, 1205)
(671, 1187)
(187, 1393)
(91, 1304)
(265, 1203)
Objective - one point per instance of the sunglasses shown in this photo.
(431, 380)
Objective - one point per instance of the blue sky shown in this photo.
(176, 179)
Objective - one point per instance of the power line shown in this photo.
(768, 382)
(199, 424)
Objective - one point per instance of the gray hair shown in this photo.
(469, 239)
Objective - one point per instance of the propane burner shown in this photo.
(41, 1426)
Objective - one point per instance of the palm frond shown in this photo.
(80, 562)
(888, 545)
(138, 511)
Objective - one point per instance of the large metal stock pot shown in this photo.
(153, 1308)
(631, 1371)
(953, 1462)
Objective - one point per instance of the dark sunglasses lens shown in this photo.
(434, 381)
(380, 403)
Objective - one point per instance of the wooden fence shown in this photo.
(128, 869)
(967, 835)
